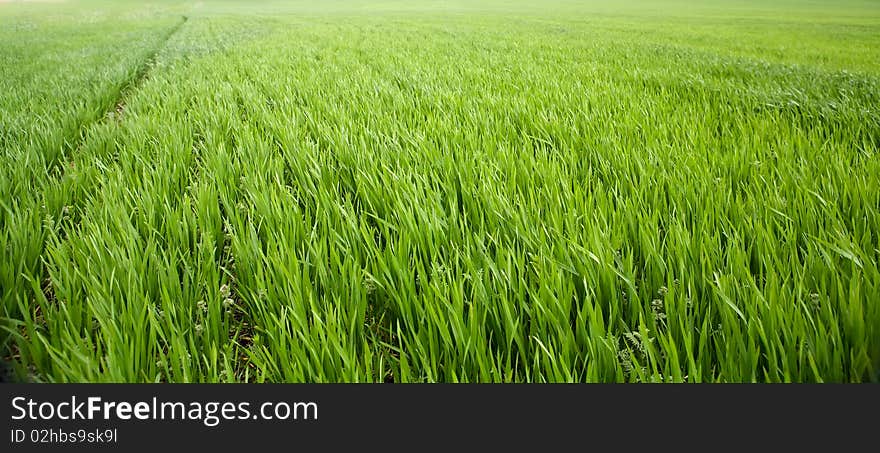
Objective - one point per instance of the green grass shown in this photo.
(441, 191)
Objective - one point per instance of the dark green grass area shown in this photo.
(440, 191)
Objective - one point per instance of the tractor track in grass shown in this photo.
(114, 111)
(117, 106)
(73, 145)
(143, 71)
(55, 173)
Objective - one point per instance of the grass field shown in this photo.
(440, 191)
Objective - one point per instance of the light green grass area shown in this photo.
(441, 191)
